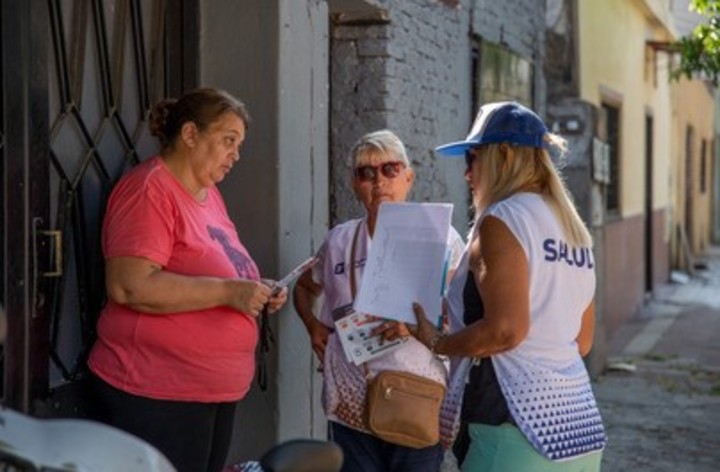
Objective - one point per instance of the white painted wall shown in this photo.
(272, 54)
(303, 192)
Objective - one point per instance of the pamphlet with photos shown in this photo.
(358, 342)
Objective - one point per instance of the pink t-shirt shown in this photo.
(204, 355)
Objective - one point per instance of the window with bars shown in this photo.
(500, 74)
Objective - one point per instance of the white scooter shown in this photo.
(71, 445)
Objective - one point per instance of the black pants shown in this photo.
(194, 436)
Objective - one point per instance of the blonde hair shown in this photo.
(508, 169)
(383, 142)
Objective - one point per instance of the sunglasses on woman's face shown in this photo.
(470, 156)
(389, 170)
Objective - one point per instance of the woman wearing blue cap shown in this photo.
(521, 303)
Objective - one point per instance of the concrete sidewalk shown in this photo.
(660, 397)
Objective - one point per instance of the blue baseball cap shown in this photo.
(500, 122)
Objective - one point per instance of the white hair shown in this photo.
(383, 142)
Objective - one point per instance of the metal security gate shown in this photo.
(84, 75)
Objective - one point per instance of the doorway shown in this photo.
(91, 70)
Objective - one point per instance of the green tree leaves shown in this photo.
(700, 51)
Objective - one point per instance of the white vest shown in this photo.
(544, 379)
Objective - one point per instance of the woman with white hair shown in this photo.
(381, 173)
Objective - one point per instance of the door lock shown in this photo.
(40, 250)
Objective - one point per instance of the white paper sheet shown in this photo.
(406, 262)
(294, 274)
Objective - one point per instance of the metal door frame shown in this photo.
(27, 278)
(25, 151)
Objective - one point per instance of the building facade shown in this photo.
(694, 179)
(614, 65)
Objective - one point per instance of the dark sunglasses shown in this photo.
(389, 170)
(470, 157)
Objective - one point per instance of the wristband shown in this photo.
(433, 342)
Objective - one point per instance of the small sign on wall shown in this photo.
(601, 161)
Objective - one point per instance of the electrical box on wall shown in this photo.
(601, 161)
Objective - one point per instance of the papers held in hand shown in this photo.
(357, 340)
(406, 261)
(294, 274)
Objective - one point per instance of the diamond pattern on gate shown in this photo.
(106, 69)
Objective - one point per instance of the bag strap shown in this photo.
(267, 339)
(353, 286)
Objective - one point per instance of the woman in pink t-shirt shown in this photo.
(176, 341)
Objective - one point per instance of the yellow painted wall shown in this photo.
(661, 104)
(693, 106)
(616, 65)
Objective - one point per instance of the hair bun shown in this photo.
(158, 119)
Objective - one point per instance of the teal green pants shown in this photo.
(504, 448)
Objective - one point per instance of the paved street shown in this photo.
(665, 415)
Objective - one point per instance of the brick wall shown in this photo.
(408, 69)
